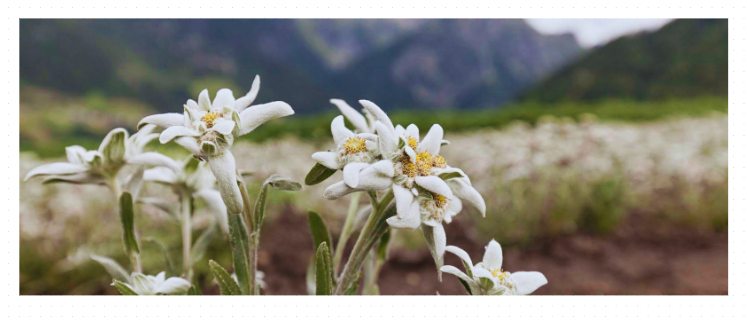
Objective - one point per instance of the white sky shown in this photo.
(593, 32)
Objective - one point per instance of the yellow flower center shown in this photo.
(354, 144)
(209, 118)
(439, 200)
(412, 143)
(500, 274)
(439, 162)
(424, 161)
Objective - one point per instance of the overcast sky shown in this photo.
(593, 32)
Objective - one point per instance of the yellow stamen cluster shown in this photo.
(424, 161)
(408, 168)
(412, 143)
(354, 144)
(439, 162)
(499, 273)
(439, 200)
(210, 117)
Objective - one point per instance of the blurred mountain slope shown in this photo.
(685, 58)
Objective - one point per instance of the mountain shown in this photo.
(399, 63)
(685, 58)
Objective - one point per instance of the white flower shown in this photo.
(191, 177)
(426, 189)
(488, 278)
(363, 123)
(148, 285)
(207, 130)
(102, 166)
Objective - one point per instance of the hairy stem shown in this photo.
(253, 242)
(186, 234)
(347, 228)
(374, 228)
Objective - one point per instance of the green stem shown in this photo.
(186, 234)
(253, 242)
(374, 228)
(347, 229)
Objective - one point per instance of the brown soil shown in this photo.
(638, 258)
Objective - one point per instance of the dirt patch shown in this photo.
(638, 258)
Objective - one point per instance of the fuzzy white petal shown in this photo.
(328, 159)
(244, 102)
(340, 133)
(351, 172)
(434, 184)
(224, 98)
(160, 174)
(75, 154)
(413, 132)
(176, 131)
(384, 167)
(412, 221)
(225, 127)
(254, 116)
(190, 144)
(464, 191)
(154, 159)
(59, 168)
(432, 141)
(224, 169)
(493, 258)
(378, 114)
(403, 199)
(461, 254)
(165, 120)
(173, 286)
(387, 140)
(337, 190)
(203, 101)
(455, 271)
(371, 180)
(355, 118)
(528, 282)
(411, 153)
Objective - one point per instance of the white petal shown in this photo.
(114, 147)
(449, 170)
(160, 174)
(468, 193)
(480, 272)
(176, 131)
(338, 190)
(455, 271)
(355, 118)
(371, 180)
(384, 167)
(351, 172)
(328, 159)
(58, 168)
(160, 277)
(340, 133)
(143, 285)
(174, 286)
(254, 116)
(165, 121)
(439, 237)
(203, 101)
(79, 178)
(190, 144)
(224, 169)
(192, 105)
(432, 141)
(411, 222)
(493, 258)
(413, 132)
(75, 154)
(244, 102)
(399, 131)
(378, 113)
(216, 206)
(461, 254)
(154, 159)
(403, 199)
(434, 184)
(411, 153)
(528, 282)
(387, 140)
(224, 98)
(225, 127)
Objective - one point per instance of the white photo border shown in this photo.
(577, 309)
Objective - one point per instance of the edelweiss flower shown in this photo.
(148, 285)
(488, 278)
(207, 130)
(101, 166)
(363, 123)
(427, 191)
(192, 178)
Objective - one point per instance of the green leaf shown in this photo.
(127, 214)
(194, 291)
(112, 267)
(165, 254)
(226, 283)
(318, 174)
(277, 182)
(319, 232)
(382, 248)
(352, 290)
(465, 285)
(324, 275)
(202, 243)
(451, 175)
(124, 289)
(239, 250)
(486, 283)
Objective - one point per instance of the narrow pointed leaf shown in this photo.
(382, 248)
(227, 285)
(447, 176)
(112, 267)
(123, 288)
(166, 257)
(319, 232)
(239, 250)
(277, 182)
(323, 271)
(318, 174)
(466, 286)
(194, 291)
(127, 215)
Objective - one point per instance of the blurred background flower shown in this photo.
(600, 146)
